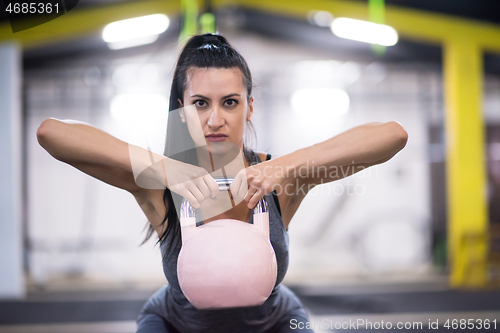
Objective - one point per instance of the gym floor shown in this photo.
(360, 308)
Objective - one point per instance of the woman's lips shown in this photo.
(216, 138)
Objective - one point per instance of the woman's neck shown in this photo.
(212, 161)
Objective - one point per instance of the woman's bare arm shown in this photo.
(103, 157)
(90, 150)
(344, 154)
(347, 153)
(129, 167)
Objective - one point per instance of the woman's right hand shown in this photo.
(155, 171)
(191, 182)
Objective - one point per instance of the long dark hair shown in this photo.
(201, 51)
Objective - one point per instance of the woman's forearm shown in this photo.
(71, 141)
(76, 143)
(367, 144)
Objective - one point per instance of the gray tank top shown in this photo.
(182, 315)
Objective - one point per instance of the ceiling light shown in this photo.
(133, 42)
(364, 31)
(143, 28)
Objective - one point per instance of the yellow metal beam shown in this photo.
(80, 22)
(410, 23)
(440, 28)
(465, 163)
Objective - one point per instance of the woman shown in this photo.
(212, 87)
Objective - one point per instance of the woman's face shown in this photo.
(220, 106)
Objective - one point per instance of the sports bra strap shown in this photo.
(275, 195)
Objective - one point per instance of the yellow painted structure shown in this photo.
(80, 22)
(463, 42)
(466, 176)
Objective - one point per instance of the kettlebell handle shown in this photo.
(188, 211)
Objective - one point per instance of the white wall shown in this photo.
(11, 263)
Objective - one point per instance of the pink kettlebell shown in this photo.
(226, 263)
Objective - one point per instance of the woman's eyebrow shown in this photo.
(201, 96)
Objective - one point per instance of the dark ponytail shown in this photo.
(201, 51)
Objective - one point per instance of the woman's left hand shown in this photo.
(254, 182)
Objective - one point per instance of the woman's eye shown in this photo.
(200, 103)
(231, 102)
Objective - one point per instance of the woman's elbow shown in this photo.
(44, 132)
(400, 134)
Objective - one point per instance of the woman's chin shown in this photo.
(223, 147)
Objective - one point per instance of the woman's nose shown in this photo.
(216, 120)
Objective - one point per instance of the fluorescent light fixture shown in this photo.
(364, 31)
(139, 108)
(133, 42)
(320, 102)
(136, 29)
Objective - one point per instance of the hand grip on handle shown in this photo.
(188, 213)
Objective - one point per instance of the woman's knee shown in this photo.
(151, 323)
(152, 317)
(156, 303)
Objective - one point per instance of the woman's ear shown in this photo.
(181, 111)
(250, 109)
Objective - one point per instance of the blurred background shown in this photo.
(415, 239)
